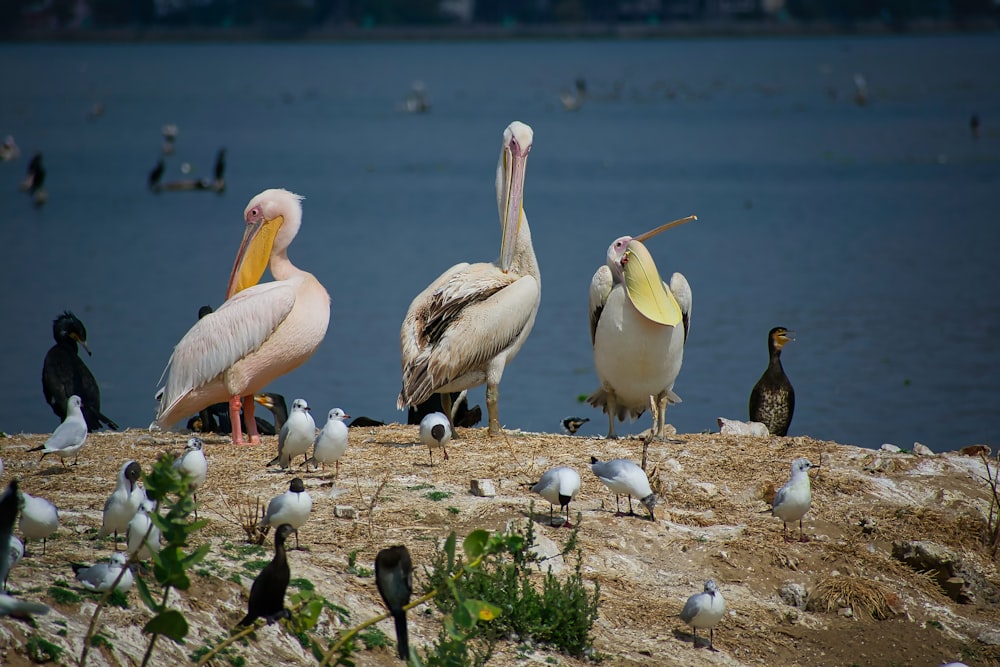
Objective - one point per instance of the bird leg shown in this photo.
(567, 524)
(249, 406)
(234, 419)
(711, 639)
(492, 393)
(335, 474)
(611, 406)
(631, 512)
(802, 538)
(446, 409)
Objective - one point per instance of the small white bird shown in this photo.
(291, 507)
(624, 477)
(9, 605)
(68, 438)
(435, 431)
(705, 610)
(331, 443)
(39, 518)
(101, 577)
(123, 502)
(193, 464)
(558, 485)
(136, 538)
(296, 434)
(15, 552)
(792, 501)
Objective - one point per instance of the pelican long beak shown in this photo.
(645, 288)
(254, 254)
(515, 161)
(662, 228)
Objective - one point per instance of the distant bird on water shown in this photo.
(394, 579)
(34, 181)
(622, 476)
(435, 431)
(794, 499)
(9, 605)
(572, 101)
(463, 329)
(68, 438)
(291, 507)
(571, 425)
(705, 610)
(558, 486)
(772, 400)
(260, 333)
(156, 175)
(64, 373)
(9, 150)
(974, 125)
(267, 594)
(638, 327)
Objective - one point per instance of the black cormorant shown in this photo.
(267, 594)
(772, 400)
(394, 579)
(64, 373)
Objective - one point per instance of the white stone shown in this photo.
(922, 450)
(344, 512)
(886, 447)
(483, 488)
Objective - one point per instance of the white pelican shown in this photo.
(260, 333)
(635, 328)
(463, 329)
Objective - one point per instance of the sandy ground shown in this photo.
(709, 524)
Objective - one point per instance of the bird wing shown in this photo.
(780, 496)
(217, 341)
(681, 290)
(67, 434)
(600, 288)
(690, 609)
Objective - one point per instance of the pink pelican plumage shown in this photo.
(261, 332)
(464, 328)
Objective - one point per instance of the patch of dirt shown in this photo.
(711, 523)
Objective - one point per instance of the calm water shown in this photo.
(871, 231)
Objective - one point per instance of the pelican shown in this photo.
(261, 332)
(635, 328)
(465, 326)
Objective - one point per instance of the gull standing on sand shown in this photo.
(296, 434)
(792, 501)
(625, 477)
(291, 507)
(123, 502)
(638, 327)
(464, 328)
(705, 610)
(193, 465)
(68, 438)
(331, 442)
(101, 577)
(9, 605)
(142, 537)
(435, 431)
(39, 519)
(558, 486)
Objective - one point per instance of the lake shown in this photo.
(870, 230)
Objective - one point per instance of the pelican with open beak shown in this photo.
(261, 332)
(638, 326)
(464, 328)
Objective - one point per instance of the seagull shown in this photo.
(394, 579)
(15, 552)
(142, 537)
(291, 507)
(193, 465)
(123, 502)
(39, 519)
(435, 431)
(9, 605)
(267, 594)
(625, 477)
(68, 438)
(296, 435)
(571, 425)
(558, 485)
(705, 610)
(331, 442)
(792, 501)
(101, 577)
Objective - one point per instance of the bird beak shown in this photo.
(254, 253)
(662, 228)
(261, 399)
(645, 288)
(81, 342)
(515, 161)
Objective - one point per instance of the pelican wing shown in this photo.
(217, 341)
(682, 294)
(472, 316)
(600, 288)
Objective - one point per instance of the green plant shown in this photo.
(99, 640)
(354, 568)
(438, 495)
(63, 595)
(255, 565)
(42, 650)
(374, 638)
(453, 510)
(302, 584)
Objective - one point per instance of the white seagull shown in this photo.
(101, 577)
(625, 477)
(15, 552)
(142, 537)
(558, 486)
(68, 438)
(435, 431)
(296, 434)
(9, 605)
(331, 443)
(705, 610)
(39, 518)
(638, 327)
(792, 501)
(194, 466)
(291, 507)
(123, 502)
(464, 328)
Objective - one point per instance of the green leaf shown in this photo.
(449, 549)
(170, 623)
(463, 619)
(198, 555)
(449, 627)
(475, 544)
(145, 596)
(482, 611)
